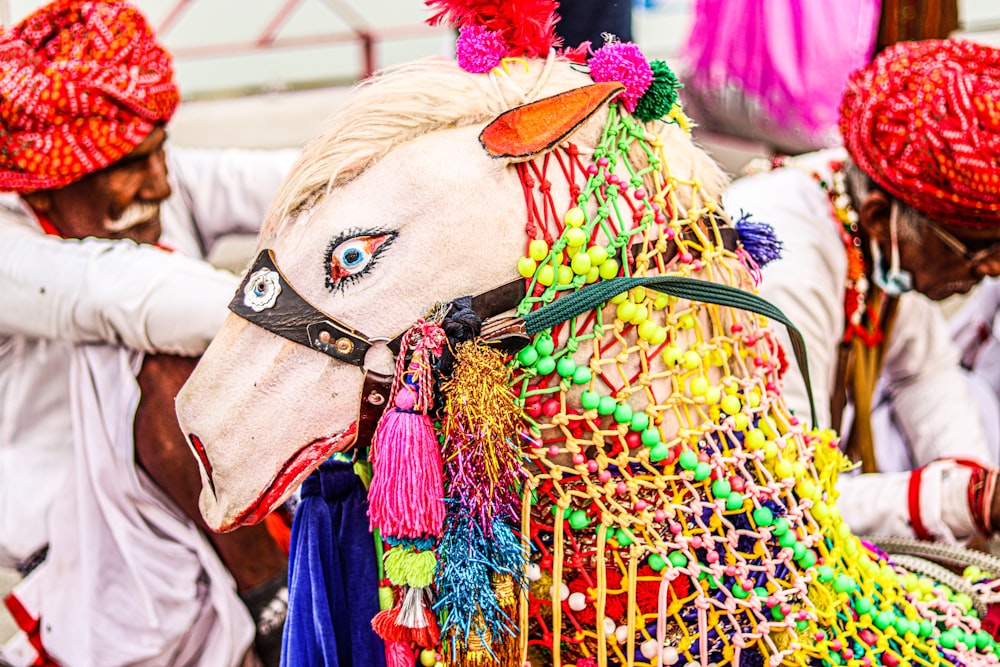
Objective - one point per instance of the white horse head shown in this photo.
(395, 207)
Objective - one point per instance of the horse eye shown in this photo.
(353, 256)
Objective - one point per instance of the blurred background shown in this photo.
(266, 73)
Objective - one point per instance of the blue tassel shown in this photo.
(758, 239)
(468, 561)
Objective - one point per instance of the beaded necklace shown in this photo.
(861, 318)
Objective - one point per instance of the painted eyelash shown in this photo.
(341, 284)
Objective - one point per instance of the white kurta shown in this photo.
(128, 580)
(923, 394)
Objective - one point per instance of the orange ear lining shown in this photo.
(537, 127)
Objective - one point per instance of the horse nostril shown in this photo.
(199, 449)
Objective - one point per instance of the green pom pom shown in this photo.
(661, 95)
(406, 567)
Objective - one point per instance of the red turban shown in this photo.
(923, 120)
(82, 83)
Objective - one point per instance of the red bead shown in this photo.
(551, 407)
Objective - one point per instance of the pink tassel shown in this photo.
(406, 498)
(398, 654)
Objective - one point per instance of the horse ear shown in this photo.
(530, 129)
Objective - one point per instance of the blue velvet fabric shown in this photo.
(332, 575)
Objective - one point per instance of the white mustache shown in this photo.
(136, 214)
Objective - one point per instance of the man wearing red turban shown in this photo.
(94, 315)
(907, 212)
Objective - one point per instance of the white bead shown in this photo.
(563, 591)
(648, 649)
(621, 634)
(669, 656)
(609, 626)
(533, 572)
(577, 601)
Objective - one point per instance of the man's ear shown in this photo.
(873, 215)
(40, 201)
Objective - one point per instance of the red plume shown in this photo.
(528, 26)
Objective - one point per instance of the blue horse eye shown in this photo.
(352, 257)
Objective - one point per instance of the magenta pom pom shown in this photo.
(479, 50)
(623, 62)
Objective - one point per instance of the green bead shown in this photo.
(624, 539)
(527, 356)
(658, 452)
(702, 471)
(776, 613)
(385, 597)
(566, 367)
(948, 639)
(902, 626)
(739, 592)
(760, 592)
(798, 550)
(545, 366)
(545, 346)
(780, 527)
(640, 421)
(808, 559)
(582, 375)
(606, 406)
(623, 413)
(763, 516)
(884, 619)
(677, 559)
(657, 562)
(578, 519)
(688, 460)
(734, 501)
(721, 488)
(650, 437)
(983, 640)
(788, 540)
(590, 400)
(926, 628)
(844, 584)
(825, 573)
(862, 605)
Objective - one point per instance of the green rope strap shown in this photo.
(594, 295)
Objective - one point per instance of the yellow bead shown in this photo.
(672, 354)
(740, 421)
(783, 469)
(574, 217)
(692, 360)
(713, 395)
(699, 386)
(731, 405)
(538, 250)
(575, 237)
(661, 302)
(598, 254)
(565, 275)
(641, 315)
(685, 321)
(428, 657)
(546, 276)
(593, 275)
(619, 298)
(638, 294)
(609, 269)
(647, 328)
(581, 264)
(526, 267)
(659, 336)
(755, 439)
(626, 311)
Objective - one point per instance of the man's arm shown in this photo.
(109, 291)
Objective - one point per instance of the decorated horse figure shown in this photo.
(504, 335)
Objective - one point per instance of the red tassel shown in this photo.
(428, 636)
(399, 654)
(406, 498)
(386, 625)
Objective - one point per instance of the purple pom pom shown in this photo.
(479, 50)
(758, 239)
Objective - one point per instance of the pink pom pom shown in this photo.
(623, 62)
(398, 654)
(479, 50)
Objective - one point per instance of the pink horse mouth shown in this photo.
(292, 473)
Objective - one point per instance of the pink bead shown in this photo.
(676, 528)
(696, 265)
(819, 636)
(669, 233)
(592, 170)
(592, 466)
(794, 421)
(712, 556)
(771, 387)
(703, 457)
(659, 516)
(847, 653)
(736, 328)
(889, 660)
(640, 193)
(750, 341)
(578, 459)
(554, 450)
(836, 645)
(603, 476)
(746, 585)
(771, 601)
(660, 219)
(602, 162)
(696, 541)
(737, 484)
(686, 258)
(640, 505)
(621, 489)
(731, 570)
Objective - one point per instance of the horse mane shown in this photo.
(402, 103)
